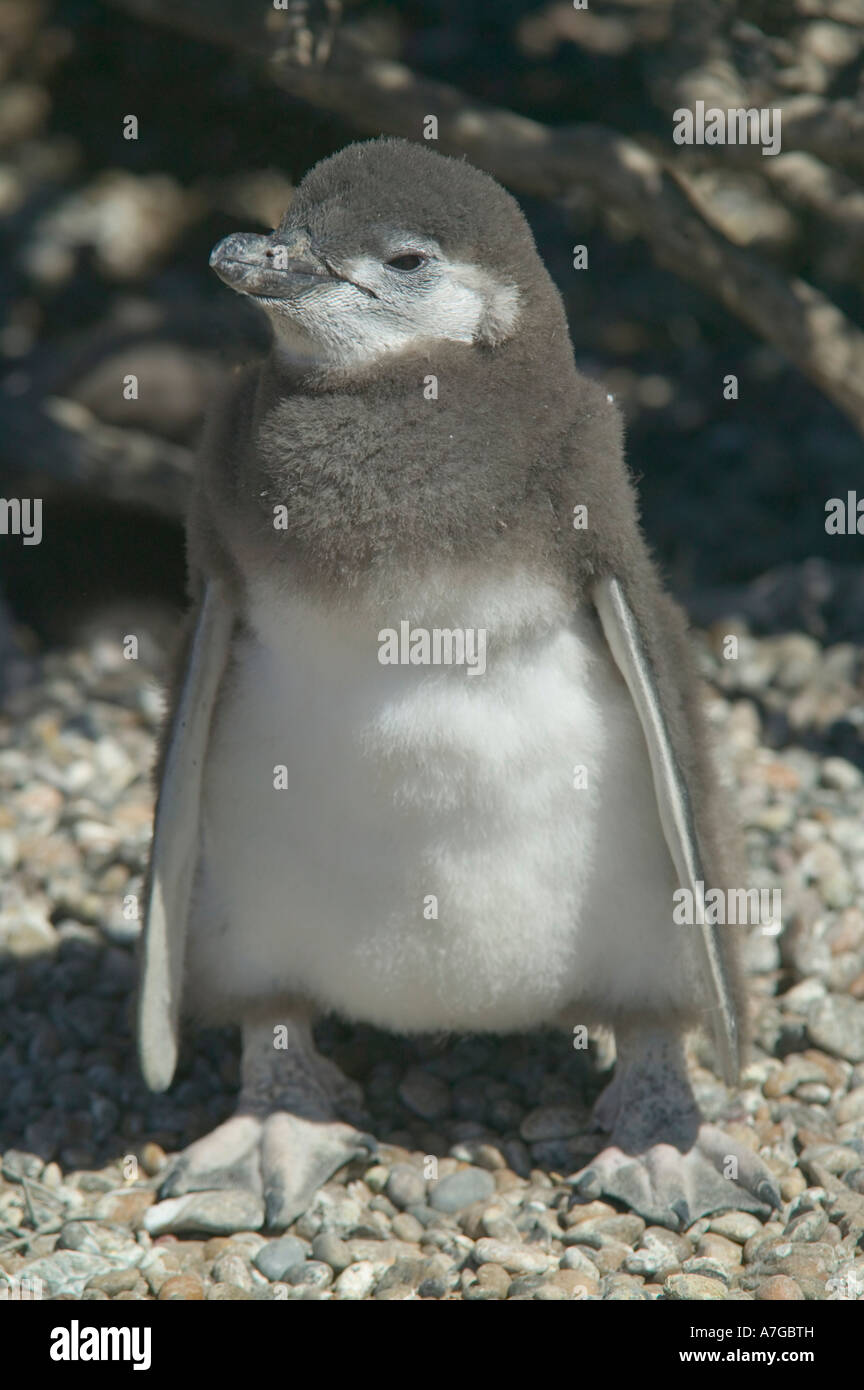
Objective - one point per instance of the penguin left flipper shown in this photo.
(175, 841)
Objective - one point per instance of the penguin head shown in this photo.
(388, 246)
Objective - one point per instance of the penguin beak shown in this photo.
(264, 267)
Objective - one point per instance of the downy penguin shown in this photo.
(420, 600)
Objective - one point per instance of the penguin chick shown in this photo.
(348, 823)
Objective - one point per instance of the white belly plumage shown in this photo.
(431, 862)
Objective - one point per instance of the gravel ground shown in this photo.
(506, 1119)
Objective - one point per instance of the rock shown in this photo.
(693, 1287)
(461, 1189)
(720, 1248)
(711, 1269)
(277, 1258)
(357, 1281)
(851, 1107)
(214, 1213)
(407, 1227)
(181, 1287)
(552, 1122)
(779, 1288)
(125, 1206)
(313, 1273)
(406, 1186)
(98, 1238)
(332, 1250)
(840, 775)
(425, 1095)
(65, 1273)
(606, 1230)
(231, 1268)
(115, 1281)
(837, 1024)
(17, 1165)
(153, 1159)
(516, 1259)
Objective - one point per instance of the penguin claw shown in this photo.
(673, 1187)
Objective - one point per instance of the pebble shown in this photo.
(231, 1268)
(516, 1259)
(181, 1287)
(332, 1250)
(779, 1288)
(552, 1122)
(406, 1186)
(215, 1213)
(461, 1189)
(837, 1024)
(425, 1095)
(356, 1281)
(693, 1286)
(275, 1259)
(67, 1272)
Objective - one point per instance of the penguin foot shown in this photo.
(664, 1161)
(668, 1187)
(280, 1157)
(289, 1134)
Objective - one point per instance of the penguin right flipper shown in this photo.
(675, 806)
(175, 841)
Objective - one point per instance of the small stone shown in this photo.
(738, 1226)
(516, 1259)
(115, 1281)
(840, 775)
(574, 1259)
(278, 1257)
(17, 1165)
(406, 1186)
(461, 1189)
(406, 1227)
(425, 1095)
(851, 1107)
(153, 1159)
(494, 1277)
(332, 1250)
(779, 1289)
(837, 1024)
(214, 1213)
(314, 1274)
(720, 1248)
(551, 1122)
(586, 1211)
(693, 1286)
(606, 1230)
(229, 1293)
(231, 1268)
(578, 1283)
(66, 1272)
(183, 1287)
(125, 1205)
(712, 1269)
(357, 1281)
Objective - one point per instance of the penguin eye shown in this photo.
(409, 260)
